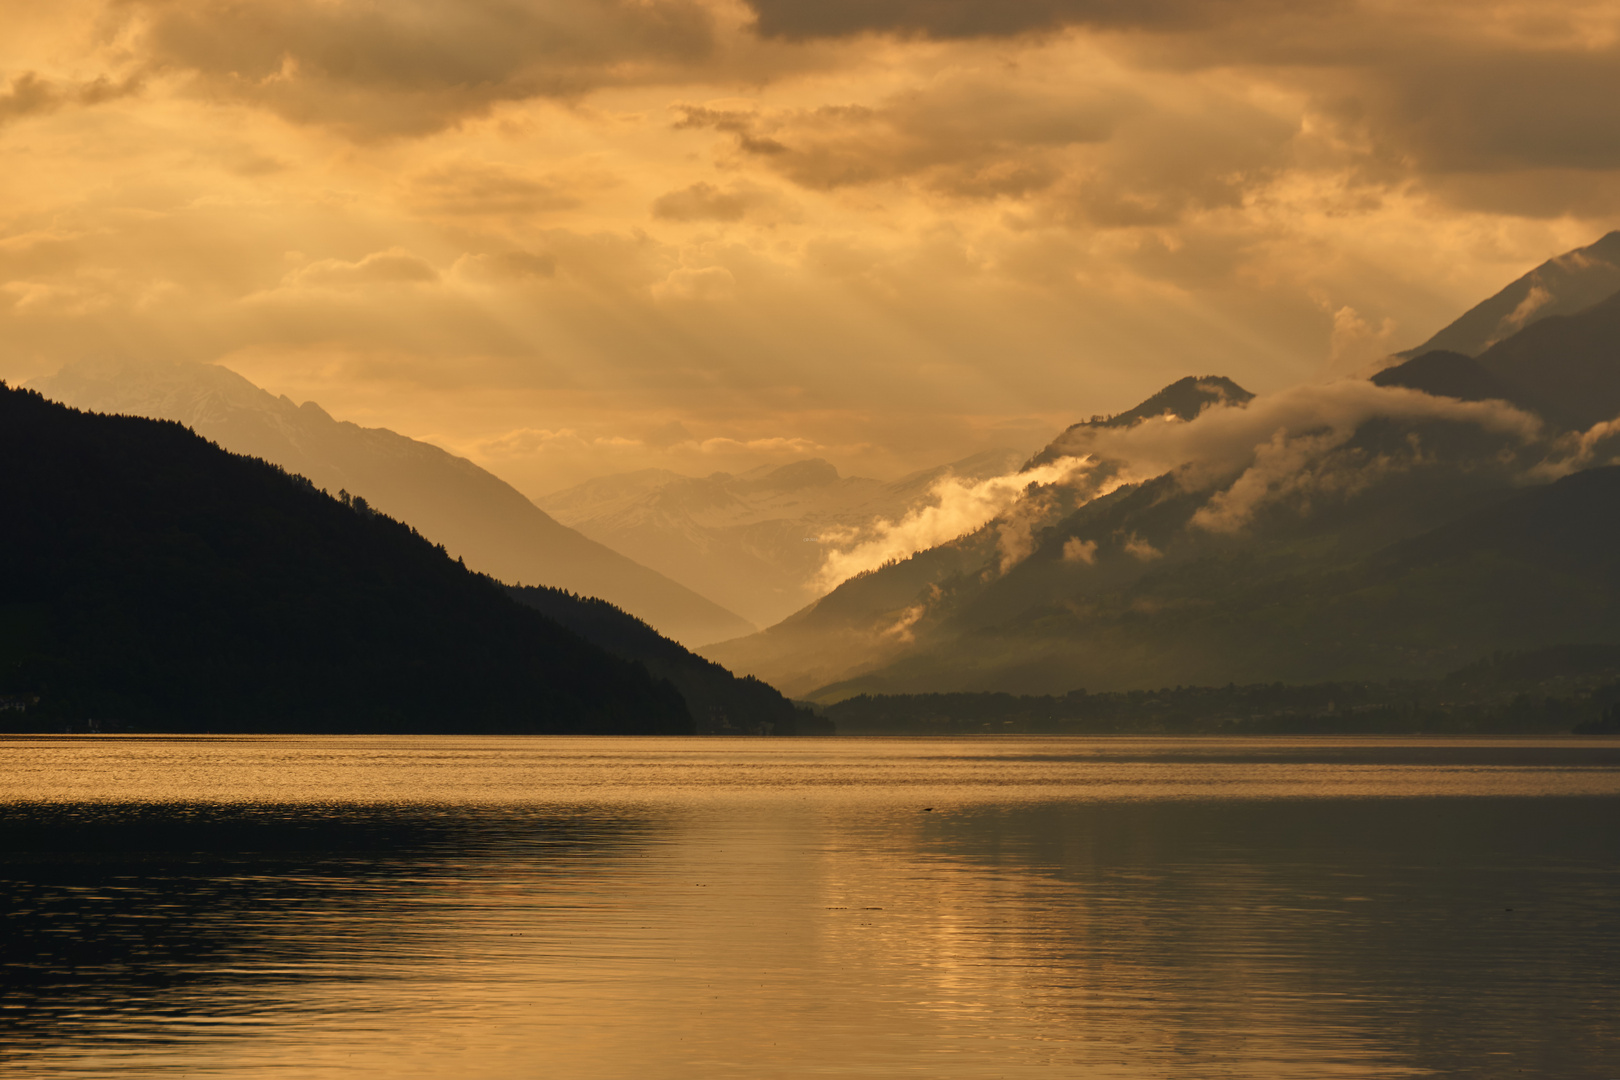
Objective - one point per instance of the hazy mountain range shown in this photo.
(1393, 528)
(474, 514)
(755, 541)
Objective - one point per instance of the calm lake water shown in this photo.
(616, 908)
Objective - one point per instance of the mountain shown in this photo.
(1531, 570)
(1183, 399)
(474, 514)
(755, 541)
(1562, 286)
(1443, 373)
(151, 580)
(720, 702)
(876, 617)
(1564, 368)
(1237, 537)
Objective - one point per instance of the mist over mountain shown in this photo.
(1183, 399)
(1532, 570)
(755, 541)
(151, 580)
(474, 514)
(1356, 529)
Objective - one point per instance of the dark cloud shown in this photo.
(30, 95)
(969, 136)
(1075, 155)
(946, 19)
(736, 121)
(1481, 104)
(414, 66)
(1503, 110)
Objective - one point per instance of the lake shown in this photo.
(980, 907)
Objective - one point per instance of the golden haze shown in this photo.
(573, 237)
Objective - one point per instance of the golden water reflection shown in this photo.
(860, 908)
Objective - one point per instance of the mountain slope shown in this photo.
(754, 541)
(1183, 399)
(1237, 498)
(876, 617)
(150, 578)
(1565, 367)
(473, 513)
(1561, 286)
(720, 702)
(1530, 571)
(1446, 374)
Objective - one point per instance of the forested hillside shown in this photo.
(151, 581)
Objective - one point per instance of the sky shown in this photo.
(568, 238)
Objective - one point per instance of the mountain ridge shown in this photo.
(1562, 285)
(1205, 518)
(475, 514)
(150, 579)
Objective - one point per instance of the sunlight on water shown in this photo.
(594, 908)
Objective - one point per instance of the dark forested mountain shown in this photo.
(152, 580)
(720, 702)
(1569, 283)
(474, 514)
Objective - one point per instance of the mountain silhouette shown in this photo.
(474, 514)
(1564, 368)
(1446, 374)
(151, 580)
(1183, 399)
(720, 702)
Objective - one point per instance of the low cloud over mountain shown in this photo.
(1208, 499)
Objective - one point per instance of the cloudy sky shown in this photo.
(574, 237)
